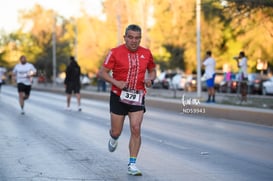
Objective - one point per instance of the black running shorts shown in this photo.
(120, 108)
(24, 88)
(72, 87)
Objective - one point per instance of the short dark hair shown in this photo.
(209, 53)
(242, 54)
(72, 58)
(132, 27)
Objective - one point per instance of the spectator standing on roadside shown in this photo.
(243, 76)
(101, 84)
(23, 73)
(209, 64)
(2, 73)
(129, 63)
(72, 83)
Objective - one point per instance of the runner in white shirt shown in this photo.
(2, 73)
(23, 73)
(209, 64)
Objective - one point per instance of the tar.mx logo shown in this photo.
(189, 101)
(191, 105)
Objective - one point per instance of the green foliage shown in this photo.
(169, 30)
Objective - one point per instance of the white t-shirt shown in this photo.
(243, 66)
(209, 64)
(22, 71)
(2, 72)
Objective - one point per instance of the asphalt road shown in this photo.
(51, 144)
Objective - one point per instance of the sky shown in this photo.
(9, 9)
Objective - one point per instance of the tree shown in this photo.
(169, 30)
(251, 25)
(36, 44)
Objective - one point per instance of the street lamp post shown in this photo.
(54, 50)
(74, 20)
(198, 49)
(76, 42)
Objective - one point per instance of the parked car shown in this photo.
(41, 79)
(178, 81)
(164, 80)
(255, 83)
(229, 85)
(191, 83)
(85, 80)
(268, 86)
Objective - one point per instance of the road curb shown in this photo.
(253, 115)
(246, 114)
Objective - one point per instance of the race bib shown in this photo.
(131, 97)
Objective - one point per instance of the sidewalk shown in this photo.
(259, 109)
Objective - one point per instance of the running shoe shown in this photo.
(112, 144)
(79, 109)
(133, 170)
(22, 112)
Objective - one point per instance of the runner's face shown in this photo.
(132, 40)
(23, 59)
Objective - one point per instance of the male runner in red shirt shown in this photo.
(129, 63)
